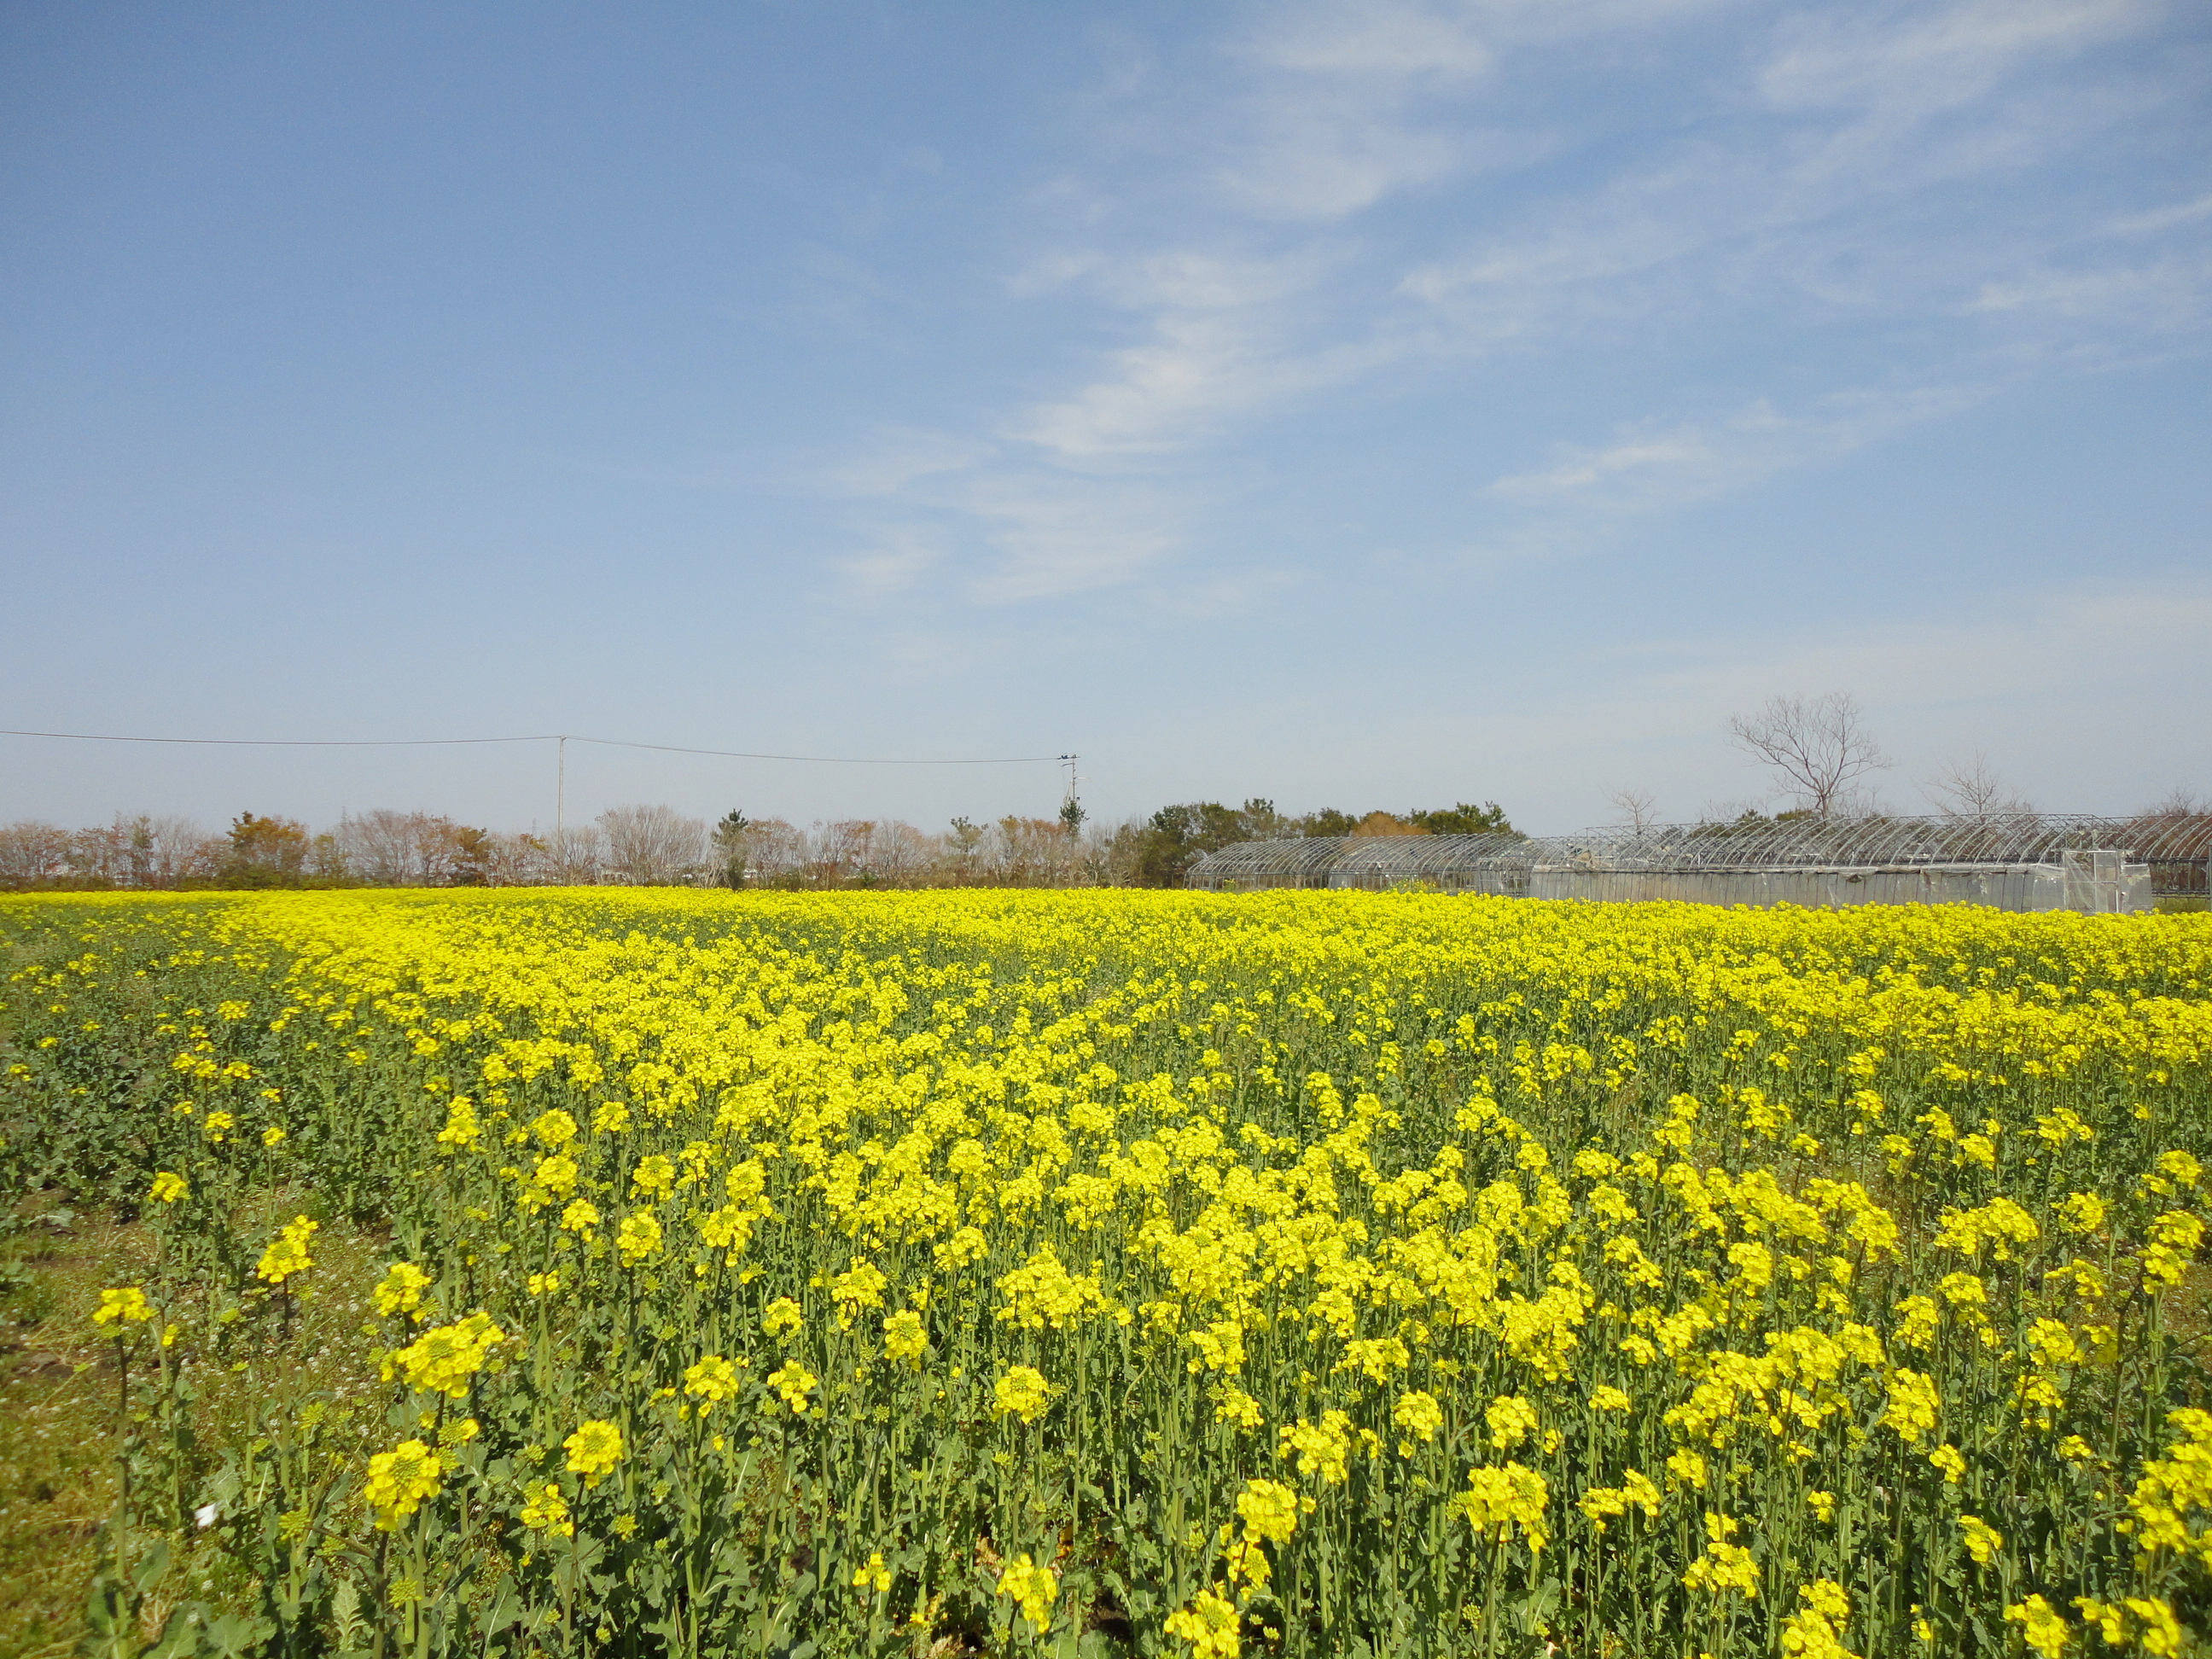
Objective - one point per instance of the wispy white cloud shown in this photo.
(902, 457)
(1392, 41)
(2166, 218)
(1329, 157)
(1847, 165)
(985, 528)
(1651, 470)
(1194, 375)
(1817, 167)
(2168, 293)
(1346, 106)
(902, 556)
(1331, 117)
(1631, 226)
(1052, 536)
(1642, 458)
(1907, 63)
(1217, 345)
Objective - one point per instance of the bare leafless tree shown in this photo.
(106, 855)
(1033, 853)
(31, 852)
(1110, 854)
(1819, 745)
(101, 853)
(903, 854)
(775, 851)
(163, 850)
(400, 849)
(1636, 806)
(1972, 789)
(841, 850)
(575, 857)
(2180, 802)
(1727, 811)
(652, 846)
(963, 845)
(516, 860)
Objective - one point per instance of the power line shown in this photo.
(829, 760)
(538, 737)
(284, 743)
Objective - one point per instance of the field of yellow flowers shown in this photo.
(1107, 1272)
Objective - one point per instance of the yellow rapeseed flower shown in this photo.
(712, 1379)
(905, 1341)
(1210, 1624)
(125, 1306)
(2081, 1212)
(595, 1447)
(1269, 1511)
(638, 1239)
(1506, 1497)
(287, 1254)
(401, 1480)
(1816, 1630)
(1022, 1392)
(1913, 1405)
(1982, 1540)
(873, 1575)
(1032, 1588)
(1418, 1414)
(1635, 1491)
(1511, 1419)
(793, 1382)
(2043, 1627)
(1322, 1448)
(400, 1290)
(543, 1509)
(444, 1359)
(1725, 1566)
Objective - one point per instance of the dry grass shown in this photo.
(58, 1414)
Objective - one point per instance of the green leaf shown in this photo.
(234, 1634)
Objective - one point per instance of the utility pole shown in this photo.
(1071, 809)
(559, 792)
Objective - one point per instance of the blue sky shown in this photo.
(1352, 405)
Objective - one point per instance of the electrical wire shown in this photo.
(826, 760)
(284, 743)
(541, 737)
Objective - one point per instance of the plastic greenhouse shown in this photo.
(2017, 861)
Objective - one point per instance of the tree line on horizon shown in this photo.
(659, 846)
(1818, 748)
(1818, 753)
